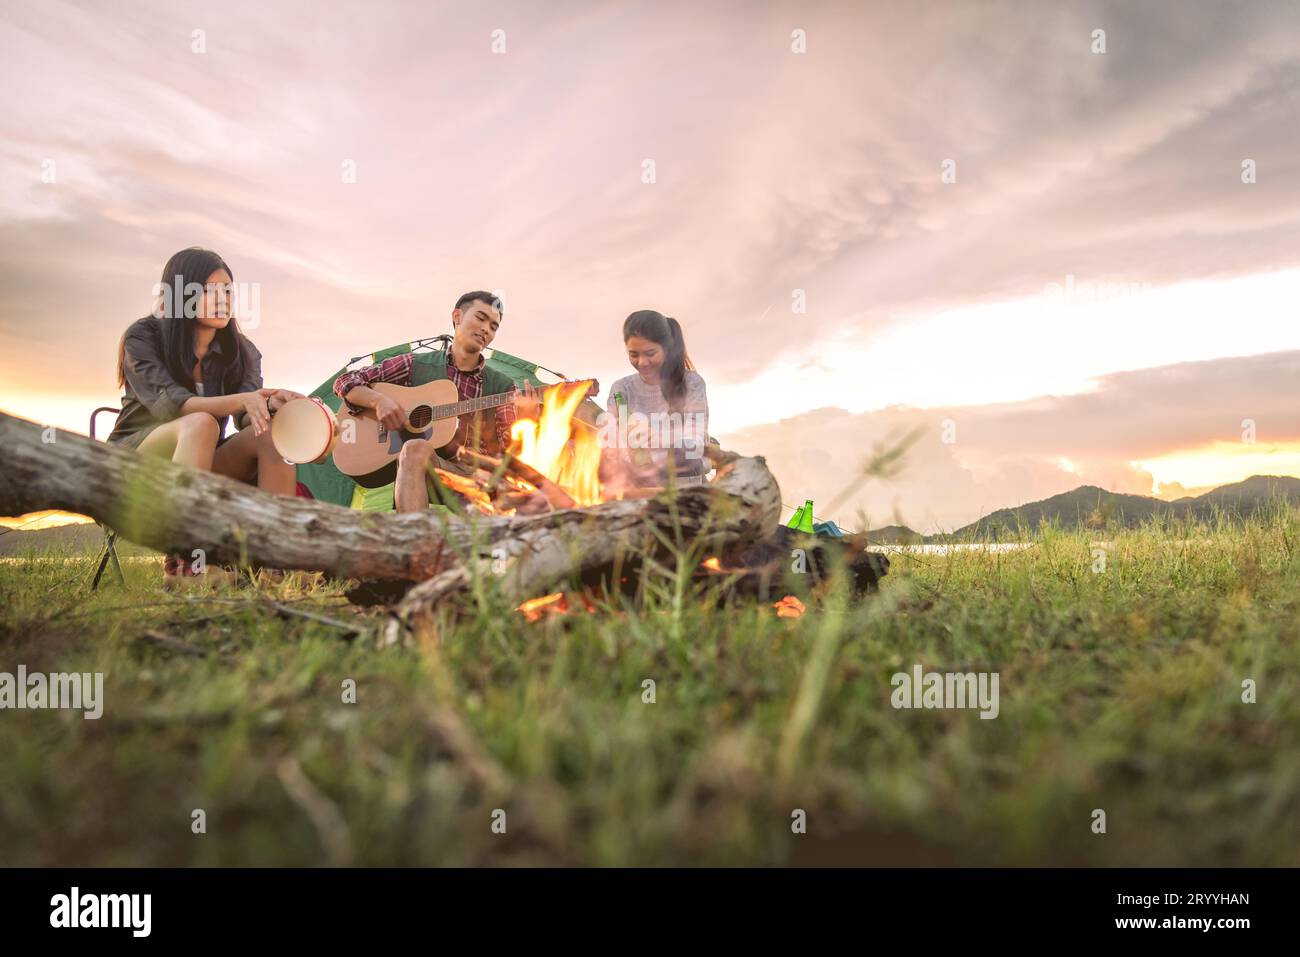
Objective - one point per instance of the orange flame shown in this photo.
(567, 456)
(712, 564)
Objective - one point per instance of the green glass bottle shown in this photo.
(806, 517)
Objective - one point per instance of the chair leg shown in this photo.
(110, 553)
(103, 563)
(117, 567)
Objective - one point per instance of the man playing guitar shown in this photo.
(476, 318)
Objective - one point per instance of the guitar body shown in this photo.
(367, 450)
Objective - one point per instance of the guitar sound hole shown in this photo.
(420, 417)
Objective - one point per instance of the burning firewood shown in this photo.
(530, 556)
(557, 497)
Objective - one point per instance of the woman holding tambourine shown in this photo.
(185, 370)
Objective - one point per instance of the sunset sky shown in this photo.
(1098, 298)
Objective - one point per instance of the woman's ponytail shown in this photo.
(673, 376)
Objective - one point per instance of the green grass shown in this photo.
(1120, 690)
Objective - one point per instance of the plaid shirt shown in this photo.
(397, 371)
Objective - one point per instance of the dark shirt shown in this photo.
(152, 396)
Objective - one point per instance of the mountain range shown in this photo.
(1091, 507)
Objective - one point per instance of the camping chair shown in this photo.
(110, 534)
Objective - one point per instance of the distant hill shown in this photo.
(1247, 495)
(1092, 507)
(894, 535)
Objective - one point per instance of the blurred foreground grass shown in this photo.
(1121, 689)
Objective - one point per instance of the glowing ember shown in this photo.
(570, 458)
(788, 607)
(712, 564)
(557, 603)
(535, 609)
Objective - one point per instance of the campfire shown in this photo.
(553, 462)
(567, 455)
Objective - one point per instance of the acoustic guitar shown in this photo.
(367, 449)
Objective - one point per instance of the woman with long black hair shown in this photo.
(185, 370)
(658, 417)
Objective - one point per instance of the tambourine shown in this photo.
(304, 431)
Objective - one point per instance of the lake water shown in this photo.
(934, 549)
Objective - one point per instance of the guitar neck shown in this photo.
(472, 405)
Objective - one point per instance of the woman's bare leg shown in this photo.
(244, 456)
(188, 440)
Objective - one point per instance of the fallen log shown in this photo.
(174, 509)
